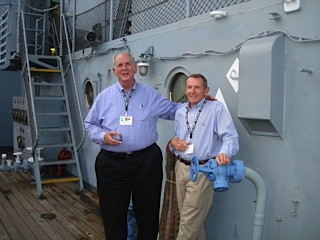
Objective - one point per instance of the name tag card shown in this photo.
(189, 149)
(126, 120)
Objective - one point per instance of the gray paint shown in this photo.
(11, 86)
(288, 164)
(261, 90)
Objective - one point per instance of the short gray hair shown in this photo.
(123, 53)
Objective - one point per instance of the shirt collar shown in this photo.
(197, 104)
(122, 89)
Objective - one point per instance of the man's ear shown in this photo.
(206, 90)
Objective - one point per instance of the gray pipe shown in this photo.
(258, 220)
(25, 166)
(4, 167)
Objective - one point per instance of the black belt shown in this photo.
(188, 162)
(125, 154)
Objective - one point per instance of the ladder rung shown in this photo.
(54, 129)
(33, 69)
(57, 162)
(49, 98)
(55, 145)
(52, 113)
(47, 84)
(32, 29)
(60, 180)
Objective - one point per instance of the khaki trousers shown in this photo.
(194, 201)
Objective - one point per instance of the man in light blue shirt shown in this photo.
(123, 122)
(203, 129)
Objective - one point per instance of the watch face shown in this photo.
(178, 88)
(88, 94)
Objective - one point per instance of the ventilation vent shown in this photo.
(261, 85)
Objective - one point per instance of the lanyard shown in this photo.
(126, 100)
(195, 121)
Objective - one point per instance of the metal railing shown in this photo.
(28, 81)
(137, 16)
(73, 98)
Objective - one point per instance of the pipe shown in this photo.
(6, 164)
(220, 175)
(258, 220)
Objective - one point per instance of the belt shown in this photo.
(188, 162)
(125, 154)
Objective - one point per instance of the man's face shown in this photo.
(195, 90)
(124, 68)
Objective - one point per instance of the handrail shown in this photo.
(73, 78)
(30, 103)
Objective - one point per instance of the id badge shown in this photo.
(189, 149)
(126, 120)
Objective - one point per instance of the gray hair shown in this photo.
(123, 53)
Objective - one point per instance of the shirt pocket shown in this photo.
(144, 112)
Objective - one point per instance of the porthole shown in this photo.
(88, 93)
(177, 88)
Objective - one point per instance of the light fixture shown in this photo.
(218, 14)
(143, 68)
(144, 59)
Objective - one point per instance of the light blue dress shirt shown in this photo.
(214, 131)
(145, 105)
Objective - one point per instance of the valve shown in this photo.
(9, 162)
(17, 163)
(219, 175)
(18, 158)
(3, 159)
(38, 151)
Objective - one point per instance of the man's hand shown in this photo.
(108, 138)
(179, 144)
(222, 159)
(210, 98)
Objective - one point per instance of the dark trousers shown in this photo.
(118, 177)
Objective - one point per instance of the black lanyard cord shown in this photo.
(195, 121)
(126, 100)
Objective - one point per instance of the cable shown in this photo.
(41, 10)
(210, 52)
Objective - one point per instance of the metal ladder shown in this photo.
(51, 127)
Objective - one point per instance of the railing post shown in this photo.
(188, 8)
(61, 29)
(111, 20)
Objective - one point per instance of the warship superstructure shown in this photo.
(261, 58)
